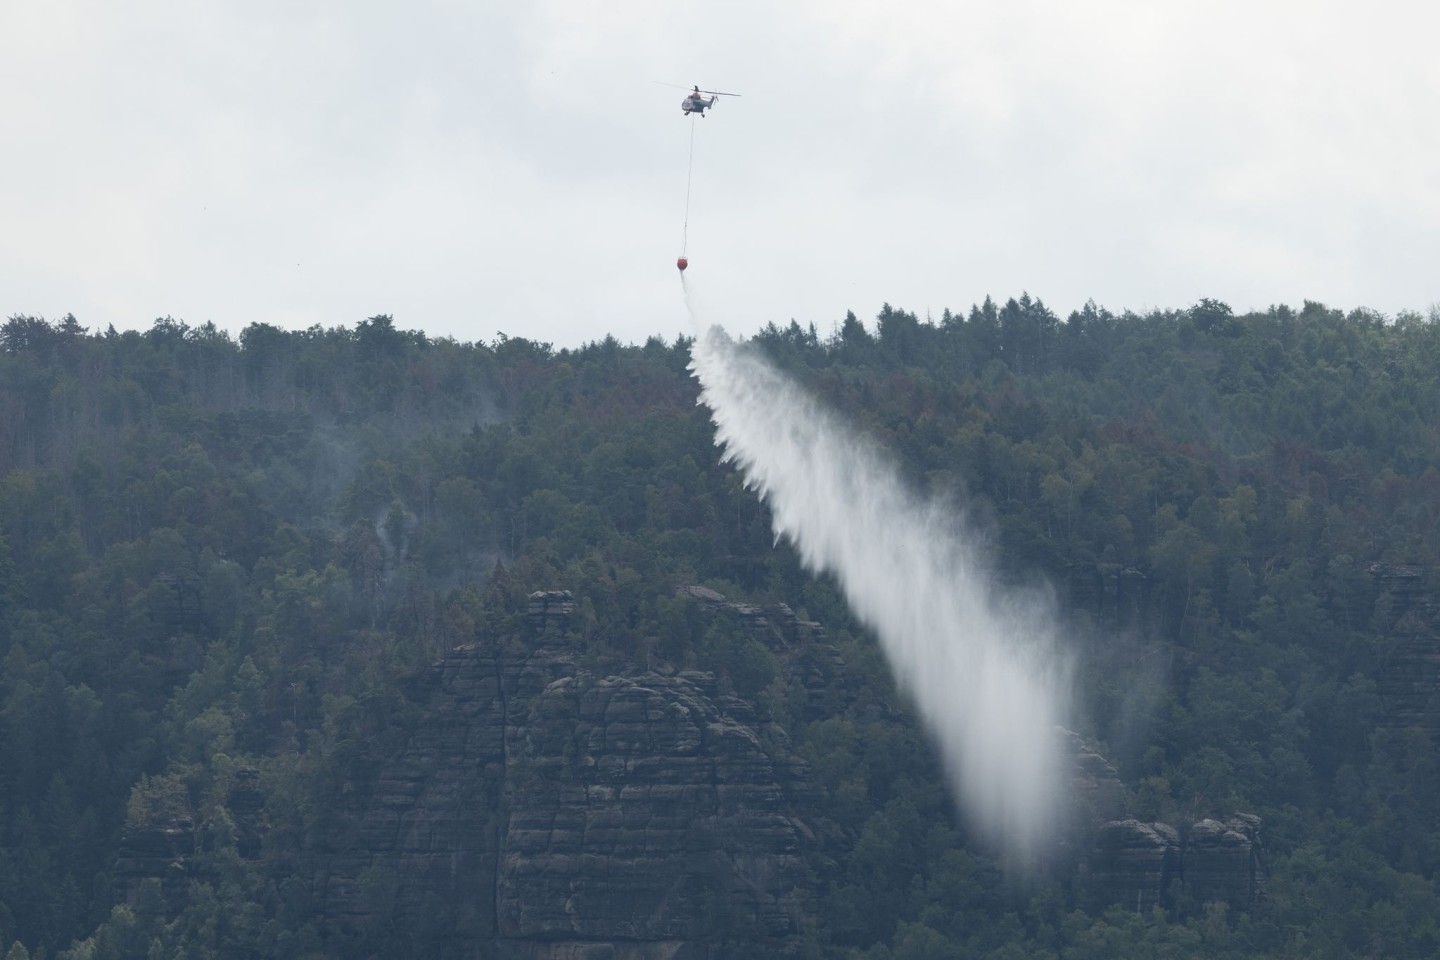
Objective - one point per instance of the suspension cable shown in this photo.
(689, 168)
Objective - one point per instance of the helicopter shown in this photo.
(697, 101)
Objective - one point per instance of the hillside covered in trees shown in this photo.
(230, 570)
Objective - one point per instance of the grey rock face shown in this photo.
(801, 644)
(1221, 862)
(643, 814)
(161, 851)
(1409, 677)
(551, 812)
(776, 625)
(1096, 791)
(549, 611)
(422, 831)
(1133, 863)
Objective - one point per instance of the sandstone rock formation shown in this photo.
(776, 625)
(1097, 795)
(1133, 863)
(1409, 677)
(1220, 861)
(545, 806)
(801, 644)
(156, 851)
(1141, 865)
(555, 811)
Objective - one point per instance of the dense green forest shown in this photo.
(224, 561)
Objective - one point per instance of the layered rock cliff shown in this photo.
(550, 810)
(1141, 865)
(546, 806)
(1408, 612)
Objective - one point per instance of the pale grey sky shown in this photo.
(481, 167)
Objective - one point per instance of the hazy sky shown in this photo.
(474, 167)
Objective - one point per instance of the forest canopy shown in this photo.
(225, 560)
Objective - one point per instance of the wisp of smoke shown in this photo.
(981, 663)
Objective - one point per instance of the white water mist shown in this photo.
(981, 664)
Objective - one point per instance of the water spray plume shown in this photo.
(981, 662)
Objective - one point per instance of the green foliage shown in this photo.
(223, 560)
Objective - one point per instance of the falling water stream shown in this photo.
(981, 662)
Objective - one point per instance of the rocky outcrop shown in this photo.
(545, 806)
(1408, 614)
(775, 625)
(418, 836)
(643, 811)
(161, 851)
(163, 846)
(1097, 794)
(1142, 865)
(543, 809)
(549, 611)
(805, 652)
(1133, 864)
(1220, 861)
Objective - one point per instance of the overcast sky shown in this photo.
(474, 167)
